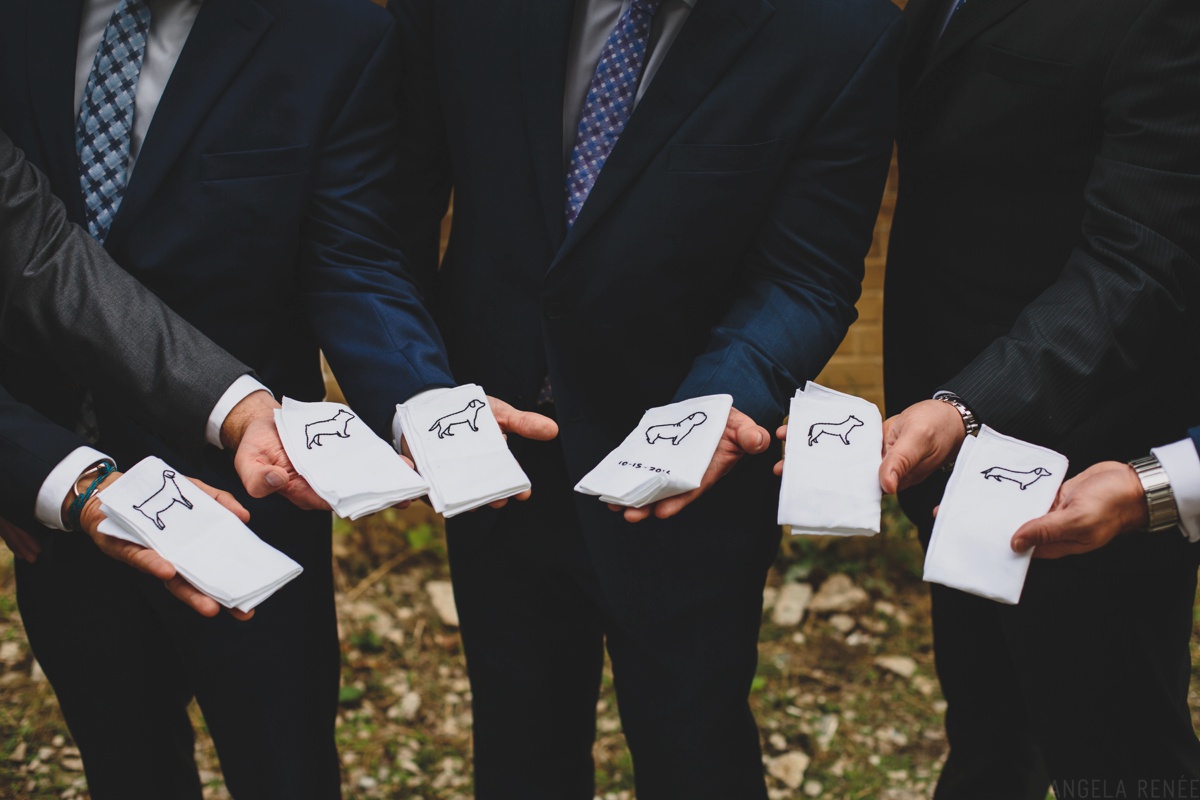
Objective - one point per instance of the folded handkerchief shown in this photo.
(459, 449)
(998, 484)
(343, 460)
(154, 506)
(665, 455)
(831, 472)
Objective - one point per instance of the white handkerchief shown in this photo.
(831, 472)
(665, 455)
(999, 483)
(343, 460)
(154, 506)
(459, 449)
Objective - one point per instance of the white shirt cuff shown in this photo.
(58, 485)
(397, 428)
(1182, 465)
(238, 391)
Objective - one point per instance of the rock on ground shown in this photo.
(838, 593)
(441, 595)
(903, 666)
(791, 604)
(789, 768)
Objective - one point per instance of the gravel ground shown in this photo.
(846, 694)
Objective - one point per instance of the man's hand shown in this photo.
(150, 562)
(742, 436)
(527, 425)
(259, 457)
(917, 441)
(1091, 509)
(24, 546)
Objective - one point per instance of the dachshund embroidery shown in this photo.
(676, 432)
(839, 429)
(469, 416)
(334, 426)
(1022, 479)
(152, 507)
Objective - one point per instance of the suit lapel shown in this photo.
(545, 33)
(53, 37)
(971, 20)
(222, 38)
(713, 36)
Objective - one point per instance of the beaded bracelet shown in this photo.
(103, 470)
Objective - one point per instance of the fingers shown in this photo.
(228, 501)
(1054, 535)
(781, 434)
(526, 424)
(22, 544)
(673, 505)
(193, 597)
(749, 435)
(897, 464)
(138, 557)
(259, 476)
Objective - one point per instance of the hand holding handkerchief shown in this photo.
(667, 454)
(343, 460)
(152, 505)
(459, 449)
(998, 484)
(831, 471)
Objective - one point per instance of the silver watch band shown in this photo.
(970, 423)
(1160, 499)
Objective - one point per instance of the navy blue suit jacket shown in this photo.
(721, 249)
(1195, 434)
(262, 207)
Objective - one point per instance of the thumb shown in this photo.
(1036, 532)
(259, 477)
(749, 435)
(526, 424)
(897, 464)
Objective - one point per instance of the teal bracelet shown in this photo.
(103, 470)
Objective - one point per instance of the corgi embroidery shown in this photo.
(153, 507)
(334, 426)
(469, 416)
(841, 430)
(677, 432)
(1022, 479)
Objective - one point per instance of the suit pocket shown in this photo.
(254, 163)
(724, 157)
(1027, 70)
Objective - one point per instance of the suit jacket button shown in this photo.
(554, 310)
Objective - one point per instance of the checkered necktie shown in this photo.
(102, 134)
(609, 101)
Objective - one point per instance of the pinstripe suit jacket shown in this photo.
(61, 293)
(1044, 260)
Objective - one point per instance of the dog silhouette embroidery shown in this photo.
(334, 426)
(1022, 479)
(469, 416)
(677, 432)
(839, 429)
(152, 507)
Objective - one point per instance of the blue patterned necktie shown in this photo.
(103, 132)
(609, 101)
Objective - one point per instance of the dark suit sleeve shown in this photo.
(61, 294)
(367, 310)
(804, 272)
(31, 446)
(1195, 434)
(1132, 283)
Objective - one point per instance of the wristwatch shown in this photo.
(1160, 500)
(968, 417)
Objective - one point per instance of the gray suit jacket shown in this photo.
(63, 296)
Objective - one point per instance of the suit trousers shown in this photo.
(1083, 685)
(125, 658)
(535, 624)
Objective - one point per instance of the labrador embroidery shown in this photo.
(676, 432)
(469, 416)
(1022, 479)
(839, 429)
(153, 507)
(337, 425)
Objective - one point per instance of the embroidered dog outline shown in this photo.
(839, 429)
(676, 432)
(468, 416)
(167, 495)
(336, 425)
(1022, 479)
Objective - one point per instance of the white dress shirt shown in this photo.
(170, 23)
(1182, 465)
